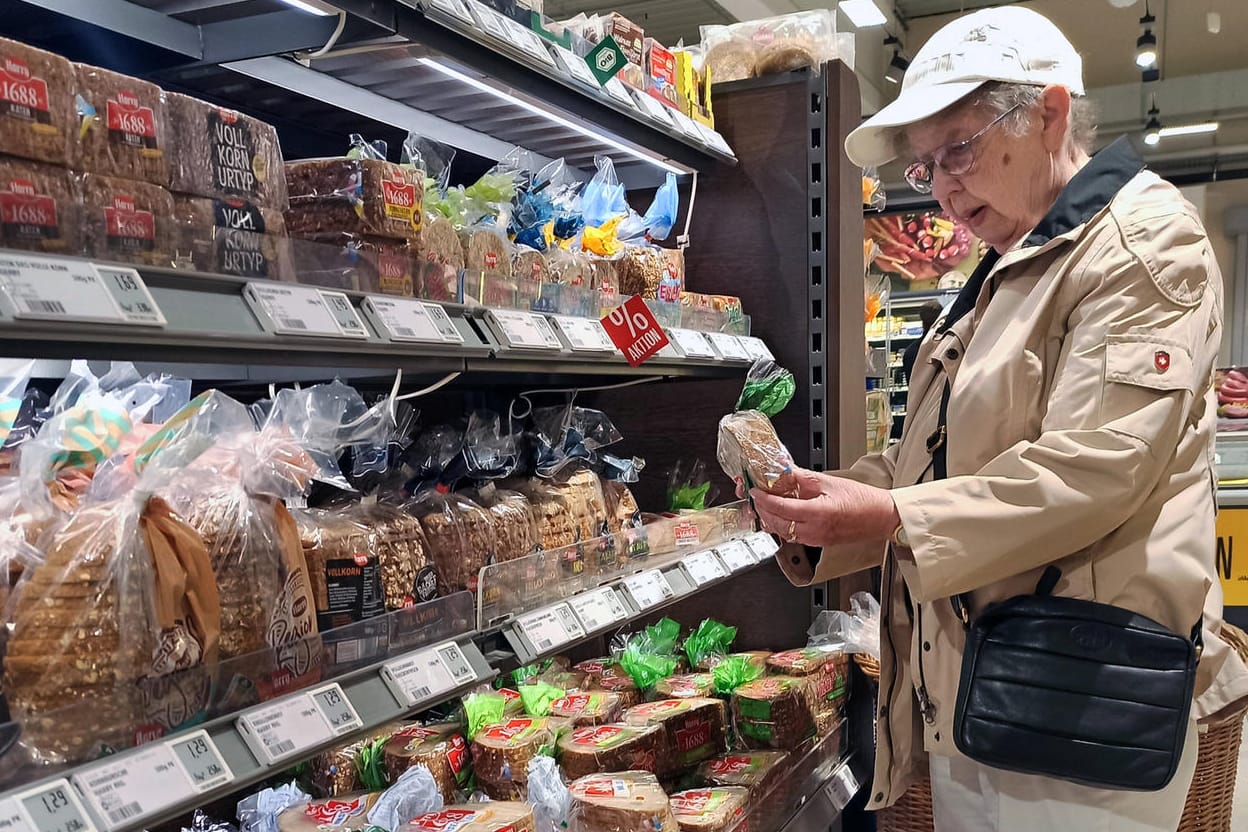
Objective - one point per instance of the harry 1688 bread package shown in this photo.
(357, 196)
(37, 118)
(122, 127)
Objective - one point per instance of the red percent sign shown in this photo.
(634, 329)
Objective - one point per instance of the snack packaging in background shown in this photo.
(493, 816)
(39, 204)
(587, 708)
(365, 196)
(770, 45)
(619, 801)
(356, 262)
(224, 154)
(332, 814)
(122, 127)
(37, 116)
(695, 729)
(595, 748)
(774, 712)
(127, 221)
(501, 754)
(660, 66)
(441, 747)
(229, 236)
(754, 770)
(716, 809)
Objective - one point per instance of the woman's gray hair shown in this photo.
(996, 97)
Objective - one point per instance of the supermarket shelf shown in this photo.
(880, 339)
(401, 65)
(210, 320)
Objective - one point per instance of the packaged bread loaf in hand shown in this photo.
(619, 801)
(122, 127)
(123, 613)
(748, 446)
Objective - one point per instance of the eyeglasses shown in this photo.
(954, 159)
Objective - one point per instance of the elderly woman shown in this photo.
(1060, 414)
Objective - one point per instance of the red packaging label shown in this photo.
(729, 765)
(131, 124)
(27, 215)
(508, 730)
(399, 197)
(491, 260)
(602, 787)
(447, 820)
(537, 268)
(393, 273)
(593, 666)
(334, 812)
(576, 703)
(418, 732)
(603, 735)
(150, 732)
(457, 753)
(129, 229)
(21, 95)
(509, 694)
(691, 802)
(695, 734)
(687, 534)
(660, 709)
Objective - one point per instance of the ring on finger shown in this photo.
(792, 535)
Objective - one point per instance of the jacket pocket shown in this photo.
(1147, 361)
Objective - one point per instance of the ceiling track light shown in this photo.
(1146, 43)
(1152, 130)
(898, 65)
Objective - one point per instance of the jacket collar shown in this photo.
(1087, 193)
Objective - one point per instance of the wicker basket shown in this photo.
(1209, 800)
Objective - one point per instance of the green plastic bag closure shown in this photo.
(733, 672)
(710, 638)
(768, 388)
(646, 668)
(370, 766)
(483, 710)
(688, 497)
(661, 636)
(537, 698)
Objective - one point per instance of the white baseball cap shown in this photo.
(1010, 43)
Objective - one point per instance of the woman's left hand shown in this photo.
(828, 511)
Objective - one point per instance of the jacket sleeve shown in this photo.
(1138, 347)
(837, 561)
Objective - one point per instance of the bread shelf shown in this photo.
(213, 319)
(383, 667)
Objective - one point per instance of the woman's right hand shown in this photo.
(828, 511)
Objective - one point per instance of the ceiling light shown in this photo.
(863, 13)
(1146, 44)
(1152, 130)
(312, 7)
(552, 117)
(1189, 129)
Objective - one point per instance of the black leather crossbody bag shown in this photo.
(1068, 688)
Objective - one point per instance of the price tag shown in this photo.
(653, 108)
(490, 21)
(583, 334)
(687, 125)
(755, 347)
(736, 555)
(12, 819)
(131, 295)
(336, 708)
(648, 589)
(728, 346)
(202, 762)
(714, 139)
(575, 66)
(528, 41)
(339, 305)
(418, 677)
(842, 787)
(598, 609)
(524, 330)
(292, 310)
(446, 327)
(51, 807)
(551, 627)
(402, 319)
(49, 289)
(692, 343)
(281, 729)
(704, 567)
(763, 545)
(455, 8)
(616, 89)
(126, 788)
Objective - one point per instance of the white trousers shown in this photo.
(970, 797)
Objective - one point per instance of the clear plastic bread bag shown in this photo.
(621, 801)
(123, 612)
(748, 447)
(460, 535)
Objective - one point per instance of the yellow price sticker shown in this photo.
(1232, 528)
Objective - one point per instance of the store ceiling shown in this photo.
(911, 9)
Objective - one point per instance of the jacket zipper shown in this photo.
(926, 709)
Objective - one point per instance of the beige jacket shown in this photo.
(1080, 433)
